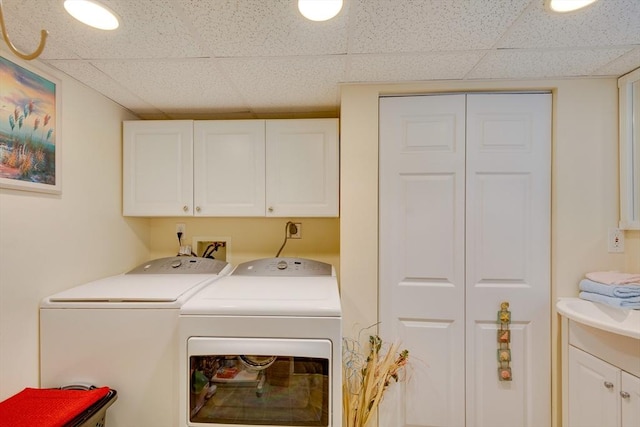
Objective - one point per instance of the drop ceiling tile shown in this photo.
(605, 23)
(431, 25)
(148, 29)
(287, 83)
(24, 32)
(529, 64)
(622, 65)
(411, 67)
(245, 28)
(233, 58)
(178, 84)
(86, 73)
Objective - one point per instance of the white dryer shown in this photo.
(263, 346)
(122, 332)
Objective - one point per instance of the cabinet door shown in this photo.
(302, 167)
(630, 396)
(229, 168)
(158, 168)
(594, 387)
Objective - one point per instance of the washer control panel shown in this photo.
(283, 267)
(180, 265)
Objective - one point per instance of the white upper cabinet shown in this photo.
(158, 168)
(302, 167)
(229, 168)
(275, 168)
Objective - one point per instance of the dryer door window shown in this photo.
(286, 385)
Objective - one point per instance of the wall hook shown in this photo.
(12, 48)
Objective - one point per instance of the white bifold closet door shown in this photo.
(465, 225)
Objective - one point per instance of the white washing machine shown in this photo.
(122, 332)
(263, 346)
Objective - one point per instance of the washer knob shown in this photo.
(176, 264)
(282, 265)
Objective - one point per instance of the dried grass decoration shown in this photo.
(366, 379)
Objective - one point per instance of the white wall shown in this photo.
(49, 243)
(584, 189)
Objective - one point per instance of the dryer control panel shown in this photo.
(283, 267)
(180, 265)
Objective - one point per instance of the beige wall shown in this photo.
(584, 189)
(50, 242)
(252, 238)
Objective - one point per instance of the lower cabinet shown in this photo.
(600, 394)
(630, 405)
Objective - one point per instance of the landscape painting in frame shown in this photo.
(29, 129)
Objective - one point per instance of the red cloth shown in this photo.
(34, 407)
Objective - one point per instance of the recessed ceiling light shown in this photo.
(562, 6)
(319, 10)
(92, 13)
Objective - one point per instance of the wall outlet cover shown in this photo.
(615, 240)
(294, 231)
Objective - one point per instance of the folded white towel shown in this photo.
(614, 278)
(625, 291)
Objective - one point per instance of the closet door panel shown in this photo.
(423, 383)
(501, 226)
(510, 407)
(507, 256)
(436, 260)
(422, 255)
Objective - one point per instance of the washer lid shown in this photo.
(125, 288)
(141, 286)
(268, 296)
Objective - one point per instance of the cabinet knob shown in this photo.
(625, 395)
(270, 209)
(608, 385)
(197, 208)
(185, 208)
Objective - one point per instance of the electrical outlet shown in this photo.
(616, 240)
(294, 231)
(181, 228)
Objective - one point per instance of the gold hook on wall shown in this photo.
(5, 35)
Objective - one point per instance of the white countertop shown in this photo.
(612, 319)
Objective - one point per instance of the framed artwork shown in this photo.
(30, 145)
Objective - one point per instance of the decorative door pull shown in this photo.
(504, 343)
